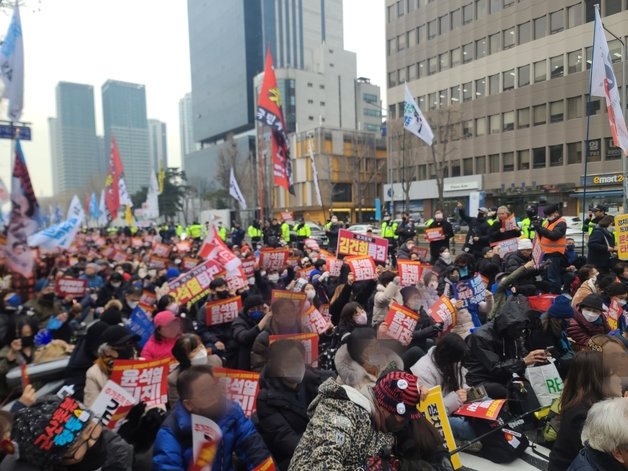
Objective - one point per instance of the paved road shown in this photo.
(529, 462)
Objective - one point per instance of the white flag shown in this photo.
(234, 190)
(102, 208)
(12, 66)
(4, 193)
(315, 175)
(604, 83)
(414, 121)
(62, 234)
(150, 209)
(125, 199)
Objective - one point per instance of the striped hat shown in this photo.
(398, 393)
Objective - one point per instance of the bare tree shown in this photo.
(403, 158)
(446, 123)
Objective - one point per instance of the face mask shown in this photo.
(464, 271)
(273, 278)
(393, 425)
(433, 284)
(310, 294)
(446, 256)
(116, 284)
(173, 308)
(589, 315)
(251, 281)
(361, 319)
(222, 294)
(126, 353)
(94, 459)
(570, 248)
(256, 315)
(132, 304)
(454, 278)
(28, 341)
(294, 374)
(438, 217)
(621, 302)
(200, 358)
(414, 305)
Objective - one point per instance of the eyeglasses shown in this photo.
(78, 450)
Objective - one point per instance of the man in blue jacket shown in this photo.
(201, 394)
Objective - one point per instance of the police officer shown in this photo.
(255, 232)
(595, 216)
(195, 230)
(285, 232)
(389, 232)
(222, 231)
(527, 228)
(303, 232)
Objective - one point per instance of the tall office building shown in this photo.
(124, 117)
(73, 142)
(157, 144)
(186, 134)
(505, 83)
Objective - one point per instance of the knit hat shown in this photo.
(524, 244)
(252, 301)
(398, 393)
(593, 301)
(111, 316)
(32, 424)
(117, 335)
(486, 250)
(551, 209)
(561, 308)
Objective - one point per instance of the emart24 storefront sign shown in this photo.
(605, 179)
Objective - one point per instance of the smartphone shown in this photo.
(549, 351)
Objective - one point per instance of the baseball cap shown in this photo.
(599, 207)
(117, 335)
(165, 318)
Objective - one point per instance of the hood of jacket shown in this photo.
(351, 373)
(331, 389)
(514, 313)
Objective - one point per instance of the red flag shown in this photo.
(269, 113)
(112, 183)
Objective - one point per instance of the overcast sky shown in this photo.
(142, 41)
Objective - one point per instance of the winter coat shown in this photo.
(436, 245)
(259, 351)
(173, 446)
(382, 300)
(581, 330)
(496, 234)
(593, 460)
(44, 310)
(478, 227)
(245, 331)
(282, 413)
(500, 297)
(154, 350)
(441, 266)
(403, 253)
(95, 380)
(405, 231)
(568, 442)
(586, 288)
(599, 242)
(494, 357)
(430, 376)
(464, 323)
(341, 434)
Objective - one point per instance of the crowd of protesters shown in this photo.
(543, 303)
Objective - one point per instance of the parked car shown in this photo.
(573, 222)
(317, 232)
(363, 228)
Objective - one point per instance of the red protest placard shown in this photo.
(159, 263)
(293, 262)
(189, 263)
(137, 242)
(537, 251)
(363, 268)
(613, 313)
(193, 285)
(184, 246)
(236, 279)
(65, 426)
(410, 272)
(312, 244)
(507, 246)
(510, 224)
(423, 253)
(324, 310)
(305, 272)
(333, 265)
(309, 341)
(248, 265)
(313, 321)
(107, 251)
(273, 259)
(161, 250)
(434, 234)
(297, 298)
(148, 298)
(443, 312)
(241, 387)
(401, 322)
(326, 254)
(68, 286)
(119, 256)
(487, 410)
(146, 381)
(222, 311)
(267, 465)
(220, 253)
(354, 244)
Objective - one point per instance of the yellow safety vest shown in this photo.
(389, 230)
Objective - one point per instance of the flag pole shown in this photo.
(260, 161)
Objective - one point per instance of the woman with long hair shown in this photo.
(590, 380)
(351, 316)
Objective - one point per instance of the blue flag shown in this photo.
(94, 210)
(141, 325)
(58, 215)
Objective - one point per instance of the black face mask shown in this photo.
(28, 341)
(222, 294)
(126, 353)
(94, 458)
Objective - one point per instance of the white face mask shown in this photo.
(446, 256)
(251, 281)
(273, 278)
(362, 319)
(294, 374)
(310, 294)
(200, 358)
(589, 315)
(132, 304)
(173, 308)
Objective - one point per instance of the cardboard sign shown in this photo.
(541, 302)
(184, 246)
(433, 409)
(324, 310)
(204, 457)
(537, 252)
(363, 268)
(311, 244)
(206, 436)
(241, 387)
(159, 263)
(220, 253)
(72, 287)
(401, 323)
(354, 244)
(248, 266)
(222, 311)
(297, 298)
(293, 262)
(621, 236)
(304, 273)
(137, 242)
(313, 321)
(65, 425)
(146, 381)
(141, 325)
(326, 254)
(161, 250)
(148, 298)
(504, 247)
(112, 404)
(273, 259)
(236, 280)
(189, 263)
(333, 266)
(119, 257)
(309, 341)
(410, 273)
(510, 224)
(193, 285)
(423, 253)
(471, 292)
(434, 234)
(613, 313)
(487, 410)
(443, 312)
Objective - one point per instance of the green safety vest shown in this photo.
(254, 232)
(389, 230)
(222, 233)
(179, 230)
(285, 232)
(590, 226)
(491, 221)
(327, 226)
(194, 231)
(429, 222)
(304, 230)
(527, 229)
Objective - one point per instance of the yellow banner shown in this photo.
(621, 236)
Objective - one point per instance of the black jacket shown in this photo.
(568, 442)
(282, 413)
(599, 242)
(489, 267)
(448, 230)
(405, 231)
(493, 357)
(497, 235)
(478, 227)
(592, 460)
(244, 330)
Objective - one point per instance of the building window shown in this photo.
(422, 172)
(370, 97)
(612, 7)
(390, 12)
(480, 48)
(310, 118)
(508, 161)
(523, 76)
(494, 43)
(391, 46)
(557, 111)
(432, 65)
(574, 153)
(593, 106)
(508, 80)
(540, 71)
(523, 118)
(480, 9)
(422, 102)
(508, 121)
(432, 29)
(341, 193)
(539, 114)
(421, 69)
(574, 107)
(556, 155)
(574, 15)
(557, 21)
(493, 163)
(480, 88)
(392, 79)
(456, 19)
(410, 38)
(410, 5)
(538, 157)
(612, 152)
(523, 160)
(467, 53)
(402, 76)
(588, 55)
(401, 42)
(495, 6)
(400, 8)
(493, 84)
(467, 166)
(574, 61)
(524, 32)
(589, 10)
(371, 112)
(454, 94)
(467, 91)
(614, 48)
(508, 3)
(480, 126)
(432, 99)
(412, 72)
(480, 165)
(595, 150)
(557, 66)
(442, 98)
(540, 27)
(508, 39)
(420, 34)
(494, 124)
(455, 168)
(309, 85)
(392, 112)
(467, 13)
(444, 24)
(467, 128)
(455, 57)
(443, 60)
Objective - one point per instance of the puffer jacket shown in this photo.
(593, 460)
(341, 434)
(245, 330)
(173, 446)
(581, 330)
(382, 300)
(586, 288)
(95, 380)
(494, 357)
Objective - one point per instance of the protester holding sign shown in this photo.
(163, 338)
(438, 232)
